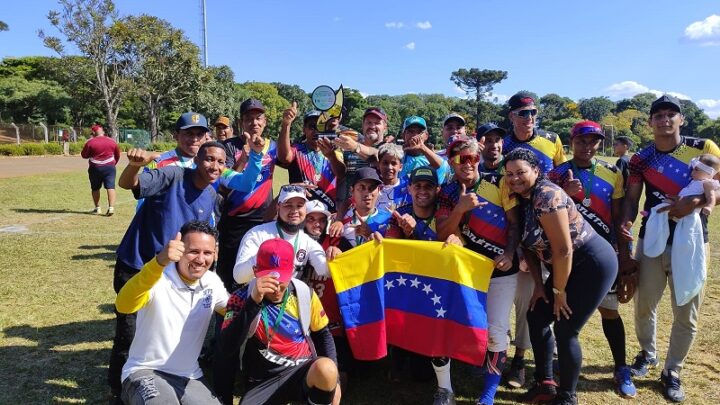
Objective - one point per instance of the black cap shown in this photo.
(521, 99)
(487, 128)
(666, 101)
(424, 173)
(251, 104)
(367, 173)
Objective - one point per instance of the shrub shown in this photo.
(124, 146)
(11, 150)
(162, 146)
(76, 147)
(53, 149)
(33, 149)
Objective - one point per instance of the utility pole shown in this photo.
(204, 33)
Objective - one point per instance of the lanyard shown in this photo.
(264, 314)
(587, 187)
(282, 235)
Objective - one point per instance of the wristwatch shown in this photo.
(556, 291)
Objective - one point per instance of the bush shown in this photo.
(53, 149)
(33, 149)
(76, 147)
(11, 150)
(124, 146)
(162, 146)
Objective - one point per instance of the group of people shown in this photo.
(557, 231)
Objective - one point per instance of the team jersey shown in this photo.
(547, 146)
(411, 162)
(312, 167)
(605, 185)
(394, 196)
(171, 158)
(425, 228)
(325, 289)
(286, 346)
(485, 228)
(377, 221)
(666, 173)
(253, 205)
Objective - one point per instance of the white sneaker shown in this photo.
(110, 211)
(96, 211)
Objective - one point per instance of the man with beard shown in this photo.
(289, 226)
(478, 208)
(311, 161)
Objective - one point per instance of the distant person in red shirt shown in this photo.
(104, 154)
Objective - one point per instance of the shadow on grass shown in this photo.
(50, 211)
(93, 247)
(63, 367)
(109, 256)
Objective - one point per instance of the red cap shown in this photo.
(275, 256)
(587, 128)
(95, 127)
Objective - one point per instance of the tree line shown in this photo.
(141, 72)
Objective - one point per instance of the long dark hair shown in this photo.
(529, 157)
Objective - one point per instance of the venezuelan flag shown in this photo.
(419, 296)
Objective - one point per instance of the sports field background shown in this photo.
(56, 300)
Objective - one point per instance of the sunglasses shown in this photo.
(525, 113)
(292, 188)
(463, 159)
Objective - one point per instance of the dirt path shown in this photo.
(34, 165)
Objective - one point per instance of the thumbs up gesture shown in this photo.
(290, 114)
(468, 201)
(172, 252)
(572, 185)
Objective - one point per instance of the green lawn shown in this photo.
(56, 318)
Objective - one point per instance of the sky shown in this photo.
(578, 49)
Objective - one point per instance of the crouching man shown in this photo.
(174, 296)
(276, 329)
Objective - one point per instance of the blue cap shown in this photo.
(414, 120)
(190, 120)
(312, 114)
(486, 128)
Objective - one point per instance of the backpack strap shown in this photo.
(304, 296)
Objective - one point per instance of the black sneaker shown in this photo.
(515, 376)
(540, 393)
(642, 364)
(565, 398)
(672, 388)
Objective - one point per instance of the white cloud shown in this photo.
(394, 24)
(629, 88)
(336, 19)
(711, 107)
(410, 46)
(705, 32)
(424, 25)
(363, 94)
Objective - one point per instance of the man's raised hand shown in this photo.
(290, 114)
(173, 251)
(139, 157)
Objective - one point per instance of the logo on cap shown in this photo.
(195, 118)
(423, 172)
(527, 100)
(275, 261)
(274, 274)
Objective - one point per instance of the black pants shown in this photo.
(124, 330)
(594, 268)
(231, 231)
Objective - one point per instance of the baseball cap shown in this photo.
(487, 128)
(455, 141)
(367, 173)
(666, 101)
(317, 206)
(376, 111)
(587, 128)
(96, 127)
(453, 116)
(424, 173)
(251, 104)
(291, 191)
(223, 121)
(311, 114)
(414, 120)
(625, 141)
(275, 257)
(191, 120)
(521, 99)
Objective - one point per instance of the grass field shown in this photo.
(56, 318)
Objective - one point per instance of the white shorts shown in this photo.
(500, 297)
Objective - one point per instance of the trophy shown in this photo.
(330, 103)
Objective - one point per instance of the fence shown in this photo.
(28, 133)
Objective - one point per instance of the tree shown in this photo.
(165, 63)
(554, 107)
(3, 26)
(86, 24)
(695, 118)
(480, 82)
(274, 104)
(561, 127)
(595, 108)
(631, 123)
(214, 93)
(640, 102)
(710, 130)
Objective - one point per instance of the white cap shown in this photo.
(317, 206)
(291, 191)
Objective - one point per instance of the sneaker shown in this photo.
(540, 393)
(515, 376)
(672, 388)
(443, 396)
(565, 398)
(110, 211)
(623, 382)
(642, 364)
(96, 211)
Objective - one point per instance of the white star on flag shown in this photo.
(415, 283)
(401, 280)
(440, 312)
(436, 299)
(427, 289)
(389, 284)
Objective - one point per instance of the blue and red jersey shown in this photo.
(309, 166)
(253, 205)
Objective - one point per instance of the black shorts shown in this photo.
(287, 386)
(102, 176)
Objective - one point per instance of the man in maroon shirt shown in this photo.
(104, 154)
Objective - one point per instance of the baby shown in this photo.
(704, 169)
